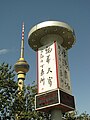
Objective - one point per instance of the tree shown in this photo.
(73, 115)
(70, 115)
(83, 116)
(7, 89)
(12, 104)
(27, 100)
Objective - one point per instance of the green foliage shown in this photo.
(83, 116)
(24, 105)
(7, 88)
(70, 115)
(12, 104)
(73, 115)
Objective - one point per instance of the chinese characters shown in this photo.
(64, 73)
(47, 68)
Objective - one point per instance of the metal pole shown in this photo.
(56, 114)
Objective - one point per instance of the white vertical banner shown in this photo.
(63, 69)
(47, 76)
(53, 68)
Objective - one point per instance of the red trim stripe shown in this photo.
(37, 73)
(56, 64)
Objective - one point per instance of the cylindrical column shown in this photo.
(51, 40)
(56, 114)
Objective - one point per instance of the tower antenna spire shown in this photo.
(22, 42)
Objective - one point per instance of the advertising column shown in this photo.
(51, 40)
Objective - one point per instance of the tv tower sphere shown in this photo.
(58, 30)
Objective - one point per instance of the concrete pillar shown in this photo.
(56, 114)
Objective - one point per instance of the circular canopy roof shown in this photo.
(51, 27)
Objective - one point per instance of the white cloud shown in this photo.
(3, 51)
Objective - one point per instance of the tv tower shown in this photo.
(21, 67)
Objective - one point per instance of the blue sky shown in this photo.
(74, 12)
